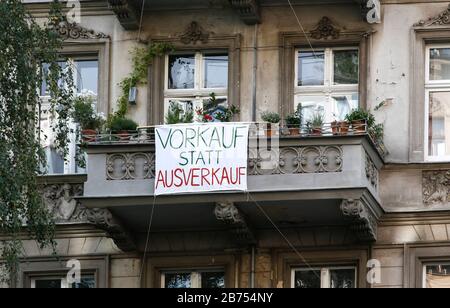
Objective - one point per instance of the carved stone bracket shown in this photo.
(126, 13)
(194, 33)
(439, 20)
(104, 219)
(364, 223)
(61, 203)
(436, 187)
(229, 214)
(325, 30)
(248, 10)
(74, 31)
(371, 172)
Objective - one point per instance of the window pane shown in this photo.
(177, 281)
(48, 284)
(438, 276)
(85, 283)
(345, 103)
(342, 278)
(440, 64)
(180, 110)
(439, 120)
(311, 68)
(311, 105)
(307, 279)
(181, 72)
(213, 280)
(215, 108)
(216, 71)
(346, 67)
(45, 73)
(87, 76)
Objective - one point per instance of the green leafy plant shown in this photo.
(295, 119)
(122, 125)
(214, 111)
(176, 114)
(271, 117)
(84, 113)
(361, 114)
(317, 119)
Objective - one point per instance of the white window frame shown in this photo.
(430, 87)
(196, 276)
(424, 275)
(325, 280)
(328, 89)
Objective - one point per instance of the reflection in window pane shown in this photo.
(307, 279)
(345, 104)
(48, 284)
(437, 276)
(181, 72)
(439, 120)
(216, 71)
(215, 108)
(311, 68)
(440, 64)
(342, 278)
(346, 67)
(311, 104)
(85, 283)
(213, 280)
(45, 91)
(87, 76)
(178, 281)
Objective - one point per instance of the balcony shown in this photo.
(329, 178)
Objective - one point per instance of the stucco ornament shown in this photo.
(61, 202)
(194, 34)
(74, 31)
(441, 19)
(436, 187)
(364, 224)
(325, 30)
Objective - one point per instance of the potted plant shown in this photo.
(84, 114)
(316, 123)
(271, 118)
(293, 122)
(122, 127)
(340, 127)
(176, 114)
(360, 119)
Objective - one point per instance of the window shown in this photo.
(207, 279)
(191, 78)
(437, 103)
(327, 82)
(436, 276)
(86, 81)
(327, 277)
(58, 282)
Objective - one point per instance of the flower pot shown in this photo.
(123, 135)
(294, 131)
(89, 135)
(316, 131)
(335, 128)
(344, 127)
(271, 130)
(359, 126)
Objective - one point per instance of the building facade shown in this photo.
(325, 211)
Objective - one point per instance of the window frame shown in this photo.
(325, 278)
(196, 275)
(60, 276)
(424, 274)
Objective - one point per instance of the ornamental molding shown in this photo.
(230, 215)
(130, 166)
(325, 30)
(126, 13)
(104, 219)
(436, 187)
(60, 200)
(248, 10)
(74, 31)
(363, 222)
(372, 173)
(193, 34)
(439, 20)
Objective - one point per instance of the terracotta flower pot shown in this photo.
(271, 130)
(123, 135)
(294, 131)
(316, 131)
(344, 127)
(335, 128)
(89, 135)
(359, 126)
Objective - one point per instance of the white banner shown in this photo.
(192, 158)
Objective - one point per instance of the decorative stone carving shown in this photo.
(130, 166)
(74, 31)
(248, 10)
(441, 19)
(61, 202)
(194, 34)
(364, 223)
(325, 30)
(371, 172)
(293, 160)
(126, 13)
(228, 213)
(104, 219)
(436, 187)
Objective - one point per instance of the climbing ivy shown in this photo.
(142, 57)
(25, 46)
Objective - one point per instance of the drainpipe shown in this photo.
(255, 70)
(252, 272)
